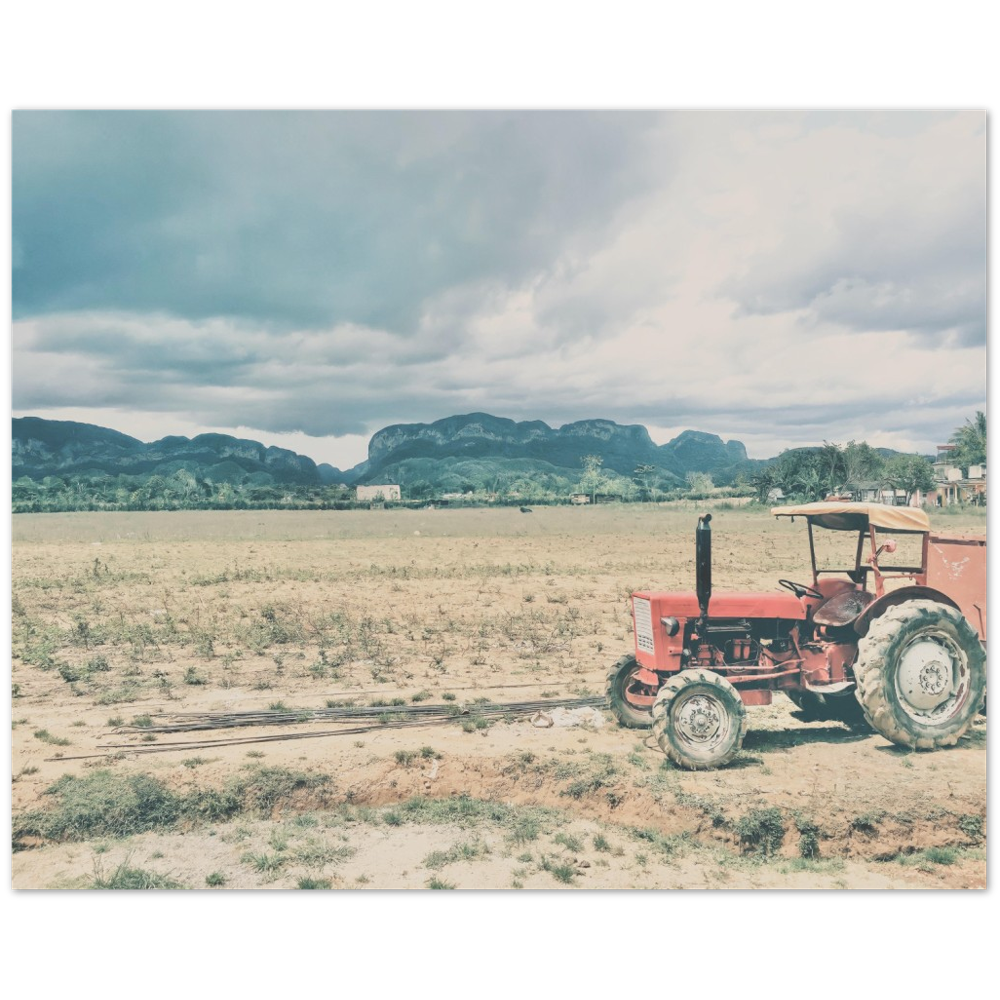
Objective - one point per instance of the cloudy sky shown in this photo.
(782, 278)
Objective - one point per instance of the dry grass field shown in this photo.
(124, 622)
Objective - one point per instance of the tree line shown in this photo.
(801, 474)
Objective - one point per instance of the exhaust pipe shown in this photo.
(703, 565)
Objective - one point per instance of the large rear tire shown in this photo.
(699, 720)
(620, 683)
(921, 674)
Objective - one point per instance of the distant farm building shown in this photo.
(579, 498)
(379, 494)
(874, 492)
(951, 487)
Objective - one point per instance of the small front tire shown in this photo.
(699, 720)
(622, 683)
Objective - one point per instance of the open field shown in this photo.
(121, 621)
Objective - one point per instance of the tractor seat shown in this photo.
(843, 608)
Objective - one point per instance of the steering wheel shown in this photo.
(801, 590)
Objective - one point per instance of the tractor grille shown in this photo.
(642, 615)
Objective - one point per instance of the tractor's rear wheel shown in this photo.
(699, 720)
(622, 687)
(921, 674)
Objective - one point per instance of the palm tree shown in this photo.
(970, 442)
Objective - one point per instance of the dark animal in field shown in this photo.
(525, 510)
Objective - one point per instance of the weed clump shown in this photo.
(104, 804)
(808, 838)
(761, 832)
(972, 826)
(126, 877)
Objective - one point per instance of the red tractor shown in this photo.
(898, 647)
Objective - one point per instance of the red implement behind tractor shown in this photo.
(894, 643)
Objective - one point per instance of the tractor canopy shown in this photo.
(845, 516)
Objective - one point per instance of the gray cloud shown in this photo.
(305, 219)
(781, 277)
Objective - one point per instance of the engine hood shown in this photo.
(730, 605)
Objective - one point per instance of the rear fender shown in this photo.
(878, 608)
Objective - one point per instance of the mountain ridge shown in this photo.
(477, 441)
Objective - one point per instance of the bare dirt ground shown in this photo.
(125, 620)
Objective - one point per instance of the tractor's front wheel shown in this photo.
(699, 720)
(623, 689)
(921, 674)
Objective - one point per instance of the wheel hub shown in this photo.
(698, 719)
(926, 678)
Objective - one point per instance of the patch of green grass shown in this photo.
(941, 855)
(761, 831)
(104, 804)
(193, 762)
(601, 773)
(316, 854)
(808, 837)
(126, 692)
(971, 825)
(601, 843)
(561, 872)
(526, 828)
(568, 841)
(868, 822)
(436, 883)
(265, 864)
(46, 737)
(670, 846)
(475, 723)
(465, 851)
(820, 866)
(127, 877)
(192, 677)
(405, 757)
(142, 721)
(215, 880)
(706, 805)
(314, 883)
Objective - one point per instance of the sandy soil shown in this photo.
(122, 617)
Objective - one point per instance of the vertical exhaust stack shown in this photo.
(703, 565)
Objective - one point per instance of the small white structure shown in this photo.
(379, 494)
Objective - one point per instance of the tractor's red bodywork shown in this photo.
(806, 643)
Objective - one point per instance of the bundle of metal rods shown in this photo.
(195, 721)
(369, 718)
